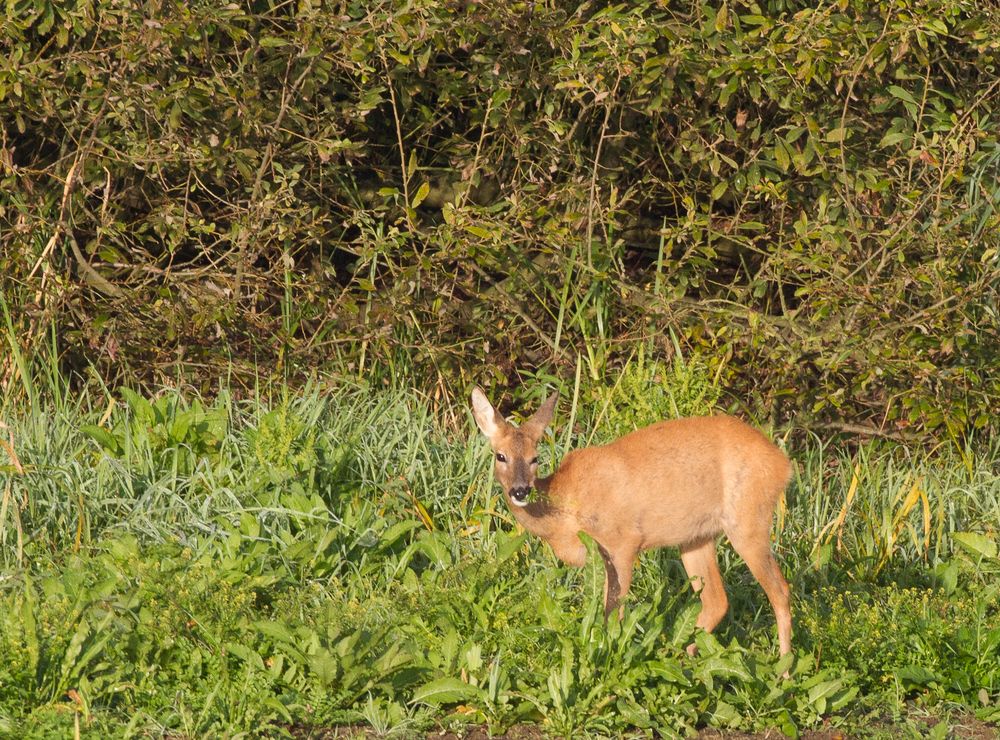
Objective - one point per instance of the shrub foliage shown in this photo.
(805, 194)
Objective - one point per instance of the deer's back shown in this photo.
(674, 481)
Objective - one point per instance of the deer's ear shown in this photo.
(541, 418)
(487, 418)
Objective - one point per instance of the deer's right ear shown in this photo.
(487, 419)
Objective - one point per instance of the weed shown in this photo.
(341, 558)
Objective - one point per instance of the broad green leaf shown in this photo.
(894, 137)
(141, 408)
(103, 437)
(726, 714)
(278, 707)
(724, 665)
(392, 535)
(445, 691)
(325, 666)
(939, 731)
(180, 427)
(781, 155)
(246, 654)
(510, 547)
(276, 630)
(915, 674)
(550, 614)
(784, 663)
(434, 546)
(820, 692)
(671, 672)
(684, 625)
(946, 575)
(400, 57)
(897, 92)
(976, 544)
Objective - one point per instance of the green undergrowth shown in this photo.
(174, 566)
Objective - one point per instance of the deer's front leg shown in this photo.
(618, 566)
(570, 549)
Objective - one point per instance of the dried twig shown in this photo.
(287, 93)
(864, 430)
(399, 142)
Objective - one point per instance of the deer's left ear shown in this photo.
(487, 418)
(543, 417)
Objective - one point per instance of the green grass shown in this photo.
(340, 555)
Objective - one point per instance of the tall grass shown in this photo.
(170, 466)
(341, 554)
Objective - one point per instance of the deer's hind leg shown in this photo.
(755, 548)
(702, 566)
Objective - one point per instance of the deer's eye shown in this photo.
(501, 457)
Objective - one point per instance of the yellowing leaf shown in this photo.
(422, 192)
(837, 134)
(781, 155)
(722, 18)
(479, 231)
(424, 515)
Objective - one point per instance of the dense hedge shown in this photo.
(806, 196)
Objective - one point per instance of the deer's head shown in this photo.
(515, 449)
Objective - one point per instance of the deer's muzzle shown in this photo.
(519, 495)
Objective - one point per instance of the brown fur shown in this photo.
(675, 483)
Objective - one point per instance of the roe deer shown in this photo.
(681, 483)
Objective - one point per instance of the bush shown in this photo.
(904, 641)
(809, 192)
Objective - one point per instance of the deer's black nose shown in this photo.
(520, 493)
